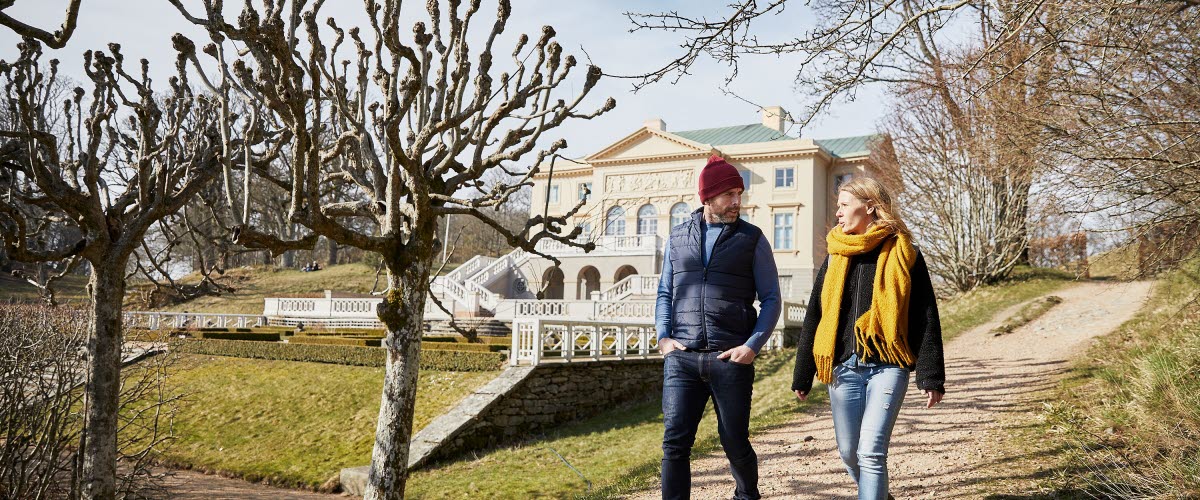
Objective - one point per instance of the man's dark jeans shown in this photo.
(689, 379)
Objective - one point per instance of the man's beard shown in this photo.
(727, 217)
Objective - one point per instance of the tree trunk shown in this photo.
(402, 312)
(104, 381)
(333, 252)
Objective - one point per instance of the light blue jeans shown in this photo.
(866, 398)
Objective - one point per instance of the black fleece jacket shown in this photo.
(924, 326)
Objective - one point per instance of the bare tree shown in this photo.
(1125, 135)
(950, 199)
(56, 40)
(124, 159)
(413, 125)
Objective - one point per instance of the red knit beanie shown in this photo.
(717, 177)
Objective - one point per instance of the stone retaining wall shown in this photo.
(554, 394)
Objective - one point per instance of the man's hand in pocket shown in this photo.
(741, 355)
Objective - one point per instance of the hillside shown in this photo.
(252, 284)
(67, 290)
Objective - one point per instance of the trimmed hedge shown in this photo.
(455, 346)
(328, 340)
(346, 332)
(259, 336)
(506, 340)
(140, 335)
(338, 354)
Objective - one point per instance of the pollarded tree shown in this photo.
(114, 163)
(413, 122)
(57, 40)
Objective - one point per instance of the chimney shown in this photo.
(656, 124)
(773, 117)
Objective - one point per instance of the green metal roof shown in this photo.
(746, 134)
(847, 146)
(738, 134)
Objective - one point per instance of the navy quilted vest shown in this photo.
(713, 307)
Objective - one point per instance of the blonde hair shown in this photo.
(875, 195)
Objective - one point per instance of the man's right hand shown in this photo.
(668, 344)
(803, 395)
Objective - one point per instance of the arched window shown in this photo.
(647, 221)
(552, 284)
(614, 222)
(680, 213)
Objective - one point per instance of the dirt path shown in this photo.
(947, 451)
(192, 485)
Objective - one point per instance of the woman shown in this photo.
(871, 319)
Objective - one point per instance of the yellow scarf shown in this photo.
(883, 329)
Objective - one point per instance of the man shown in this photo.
(708, 331)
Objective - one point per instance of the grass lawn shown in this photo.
(1119, 263)
(68, 290)
(290, 423)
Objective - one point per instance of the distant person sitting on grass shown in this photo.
(316, 266)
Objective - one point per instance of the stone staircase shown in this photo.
(486, 327)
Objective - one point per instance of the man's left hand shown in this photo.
(741, 355)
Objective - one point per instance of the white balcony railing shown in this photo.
(586, 310)
(638, 244)
(154, 320)
(623, 310)
(536, 341)
(451, 289)
(469, 268)
(499, 267)
(636, 284)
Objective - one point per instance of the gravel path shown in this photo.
(947, 451)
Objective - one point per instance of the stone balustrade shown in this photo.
(153, 320)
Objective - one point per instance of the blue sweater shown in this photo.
(766, 283)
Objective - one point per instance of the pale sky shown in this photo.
(144, 28)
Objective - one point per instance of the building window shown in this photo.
(585, 191)
(785, 285)
(841, 180)
(745, 179)
(614, 222)
(785, 177)
(586, 233)
(783, 231)
(553, 196)
(647, 220)
(744, 216)
(680, 213)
